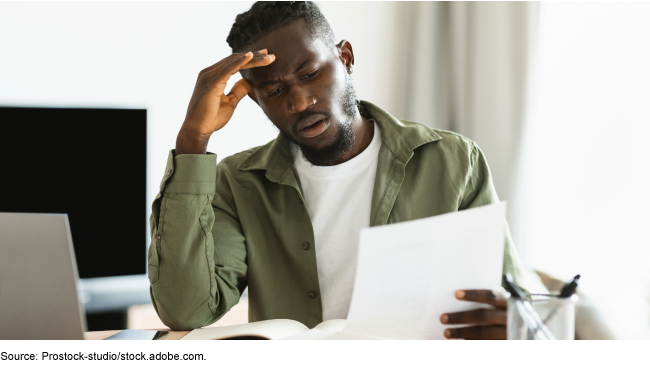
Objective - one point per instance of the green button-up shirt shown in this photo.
(217, 229)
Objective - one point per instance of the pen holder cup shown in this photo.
(557, 314)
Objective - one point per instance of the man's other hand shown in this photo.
(486, 324)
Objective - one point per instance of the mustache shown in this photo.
(308, 113)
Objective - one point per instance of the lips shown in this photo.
(310, 120)
(313, 125)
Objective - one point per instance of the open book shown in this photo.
(277, 329)
(428, 260)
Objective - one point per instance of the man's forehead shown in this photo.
(286, 64)
(292, 46)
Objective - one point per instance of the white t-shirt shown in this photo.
(338, 200)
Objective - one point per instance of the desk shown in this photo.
(144, 316)
(100, 335)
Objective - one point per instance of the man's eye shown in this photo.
(275, 92)
(311, 75)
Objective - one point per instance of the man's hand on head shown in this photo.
(485, 324)
(210, 109)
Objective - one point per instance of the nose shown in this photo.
(300, 100)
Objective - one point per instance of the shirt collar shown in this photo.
(400, 137)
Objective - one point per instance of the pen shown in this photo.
(512, 287)
(567, 291)
(569, 288)
(537, 330)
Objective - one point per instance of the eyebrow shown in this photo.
(302, 65)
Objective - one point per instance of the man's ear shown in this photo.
(346, 55)
(252, 95)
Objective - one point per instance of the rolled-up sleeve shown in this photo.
(190, 216)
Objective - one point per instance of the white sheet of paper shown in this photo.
(407, 273)
(318, 334)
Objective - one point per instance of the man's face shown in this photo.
(306, 92)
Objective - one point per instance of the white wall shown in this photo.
(148, 55)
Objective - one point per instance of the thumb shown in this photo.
(238, 92)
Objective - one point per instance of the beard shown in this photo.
(344, 138)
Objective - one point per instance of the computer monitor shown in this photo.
(90, 164)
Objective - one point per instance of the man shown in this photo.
(283, 219)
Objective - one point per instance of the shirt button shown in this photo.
(157, 236)
(169, 172)
(312, 295)
(305, 246)
(301, 203)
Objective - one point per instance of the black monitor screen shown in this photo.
(88, 163)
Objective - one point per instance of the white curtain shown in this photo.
(469, 71)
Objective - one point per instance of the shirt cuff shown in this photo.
(190, 174)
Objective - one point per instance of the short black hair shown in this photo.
(265, 16)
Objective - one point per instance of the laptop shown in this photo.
(38, 279)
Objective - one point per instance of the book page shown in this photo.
(271, 329)
(322, 331)
(328, 330)
(332, 325)
(407, 273)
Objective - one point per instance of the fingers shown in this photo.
(491, 322)
(216, 76)
(259, 61)
(232, 67)
(477, 333)
(219, 64)
(260, 58)
(217, 83)
(477, 316)
(495, 298)
(238, 92)
(219, 76)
